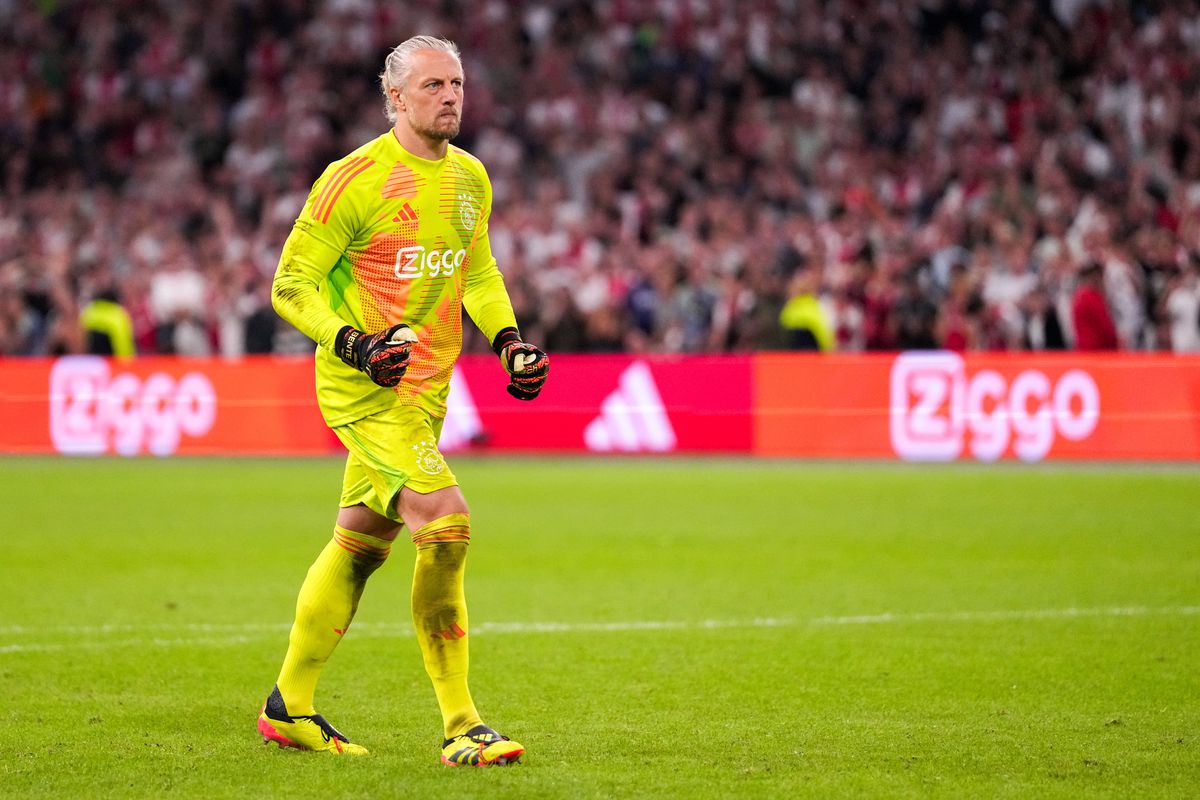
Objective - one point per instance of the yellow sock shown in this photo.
(327, 602)
(439, 609)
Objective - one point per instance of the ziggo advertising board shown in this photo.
(941, 406)
(935, 406)
(84, 405)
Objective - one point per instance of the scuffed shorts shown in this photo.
(388, 451)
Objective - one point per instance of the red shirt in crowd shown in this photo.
(1094, 328)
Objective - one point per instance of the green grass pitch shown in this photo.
(647, 628)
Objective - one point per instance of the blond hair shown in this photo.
(398, 66)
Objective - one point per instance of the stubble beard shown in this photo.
(443, 129)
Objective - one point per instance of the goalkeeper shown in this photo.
(390, 246)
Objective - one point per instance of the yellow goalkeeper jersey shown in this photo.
(387, 237)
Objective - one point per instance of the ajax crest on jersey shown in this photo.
(467, 212)
(429, 460)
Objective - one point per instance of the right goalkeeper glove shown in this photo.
(382, 356)
(527, 366)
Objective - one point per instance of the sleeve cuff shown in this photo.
(506, 336)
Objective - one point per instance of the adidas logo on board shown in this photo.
(633, 418)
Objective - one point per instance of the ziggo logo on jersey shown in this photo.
(93, 411)
(416, 262)
(934, 404)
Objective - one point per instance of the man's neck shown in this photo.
(420, 146)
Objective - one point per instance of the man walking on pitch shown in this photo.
(391, 245)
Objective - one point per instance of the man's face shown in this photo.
(432, 100)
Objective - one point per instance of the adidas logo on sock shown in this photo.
(633, 418)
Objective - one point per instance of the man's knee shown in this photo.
(363, 520)
(418, 510)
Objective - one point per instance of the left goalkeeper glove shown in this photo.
(526, 365)
(383, 356)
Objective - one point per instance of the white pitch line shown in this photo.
(94, 630)
(234, 634)
(1003, 616)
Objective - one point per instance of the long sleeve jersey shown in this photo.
(387, 237)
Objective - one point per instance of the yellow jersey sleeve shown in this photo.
(486, 297)
(318, 240)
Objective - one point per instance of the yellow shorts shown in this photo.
(388, 451)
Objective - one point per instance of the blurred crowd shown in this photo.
(669, 175)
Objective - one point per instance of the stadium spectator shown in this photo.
(1094, 326)
(1043, 326)
(914, 314)
(1182, 309)
(958, 321)
(261, 320)
(107, 326)
(805, 322)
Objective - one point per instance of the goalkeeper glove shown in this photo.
(526, 365)
(382, 356)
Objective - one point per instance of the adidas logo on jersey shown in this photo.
(405, 214)
(633, 418)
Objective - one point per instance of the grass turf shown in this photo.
(679, 628)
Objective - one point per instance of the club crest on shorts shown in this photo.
(467, 213)
(429, 460)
